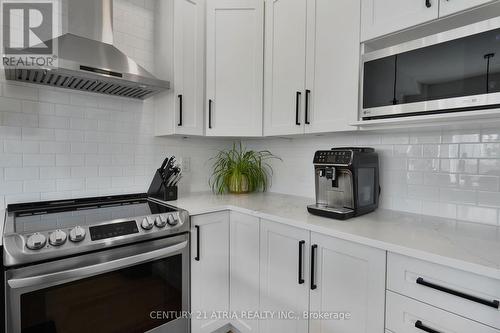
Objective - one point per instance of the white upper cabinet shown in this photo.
(312, 66)
(285, 58)
(235, 32)
(447, 7)
(182, 48)
(332, 65)
(347, 277)
(381, 17)
(209, 270)
(284, 267)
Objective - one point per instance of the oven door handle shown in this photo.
(86, 271)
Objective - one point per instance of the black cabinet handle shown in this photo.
(209, 113)
(297, 108)
(301, 261)
(180, 110)
(197, 258)
(420, 326)
(494, 304)
(313, 266)
(428, 3)
(308, 92)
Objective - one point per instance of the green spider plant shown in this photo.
(238, 170)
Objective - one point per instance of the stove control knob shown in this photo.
(57, 238)
(36, 241)
(172, 220)
(147, 223)
(160, 221)
(77, 234)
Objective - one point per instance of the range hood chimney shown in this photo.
(87, 59)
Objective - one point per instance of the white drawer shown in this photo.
(466, 294)
(405, 315)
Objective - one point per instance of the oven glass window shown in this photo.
(463, 67)
(116, 302)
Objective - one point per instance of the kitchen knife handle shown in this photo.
(301, 261)
(314, 248)
(197, 258)
(428, 3)
(180, 110)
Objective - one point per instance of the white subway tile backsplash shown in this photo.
(70, 159)
(17, 146)
(22, 173)
(460, 137)
(38, 134)
(459, 166)
(482, 183)
(440, 209)
(10, 160)
(39, 185)
(457, 196)
(37, 108)
(53, 122)
(18, 119)
(491, 199)
(39, 160)
(54, 147)
(477, 214)
(9, 104)
(20, 92)
(70, 184)
(55, 172)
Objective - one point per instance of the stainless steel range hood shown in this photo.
(87, 59)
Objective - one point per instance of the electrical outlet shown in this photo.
(186, 164)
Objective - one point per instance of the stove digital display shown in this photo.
(113, 230)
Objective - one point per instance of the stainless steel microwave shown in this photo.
(457, 70)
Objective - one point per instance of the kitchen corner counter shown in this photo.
(467, 246)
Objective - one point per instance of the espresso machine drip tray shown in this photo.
(338, 213)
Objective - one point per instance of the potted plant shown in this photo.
(238, 170)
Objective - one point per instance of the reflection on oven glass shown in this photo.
(116, 302)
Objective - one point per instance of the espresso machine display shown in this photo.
(347, 182)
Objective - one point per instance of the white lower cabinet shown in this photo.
(284, 267)
(348, 280)
(406, 315)
(244, 270)
(209, 270)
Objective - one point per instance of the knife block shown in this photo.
(159, 190)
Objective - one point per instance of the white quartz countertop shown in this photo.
(468, 246)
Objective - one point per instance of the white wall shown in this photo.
(452, 174)
(58, 143)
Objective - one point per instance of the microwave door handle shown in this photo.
(103, 267)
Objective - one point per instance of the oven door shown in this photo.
(137, 288)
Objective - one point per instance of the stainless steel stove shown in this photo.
(65, 258)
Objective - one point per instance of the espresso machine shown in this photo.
(346, 181)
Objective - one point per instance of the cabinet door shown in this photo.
(381, 17)
(332, 65)
(349, 278)
(285, 67)
(234, 67)
(210, 270)
(244, 270)
(447, 7)
(189, 68)
(284, 286)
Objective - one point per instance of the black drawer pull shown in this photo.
(313, 267)
(197, 258)
(180, 110)
(308, 92)
(297, 108)
(420, 326)
(301, 261)
(493, 304)
(209, 113)
(428, 3)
